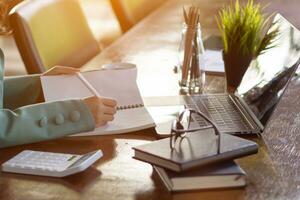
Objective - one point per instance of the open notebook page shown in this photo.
(118, 84)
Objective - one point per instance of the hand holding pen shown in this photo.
(102, 109)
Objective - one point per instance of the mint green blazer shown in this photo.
(24, 120)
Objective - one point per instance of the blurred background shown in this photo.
(109, 19)
(101, 18)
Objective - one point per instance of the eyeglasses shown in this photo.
(185, 117)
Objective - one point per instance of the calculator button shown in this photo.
(12, 165)
(41, 167)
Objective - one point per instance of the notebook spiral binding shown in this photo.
(130, 106)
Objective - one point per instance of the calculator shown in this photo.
(50, 164)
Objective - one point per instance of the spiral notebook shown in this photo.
(119, 84)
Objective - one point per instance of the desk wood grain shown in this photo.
(273, 173)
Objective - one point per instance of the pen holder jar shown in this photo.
(191, 62)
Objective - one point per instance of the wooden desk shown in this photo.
(273, 173)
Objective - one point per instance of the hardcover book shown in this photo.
(196, 149)
(221, 175)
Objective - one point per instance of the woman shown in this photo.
(24, 119)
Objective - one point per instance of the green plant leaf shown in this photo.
(243, 29)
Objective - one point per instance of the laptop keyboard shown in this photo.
(223, 111)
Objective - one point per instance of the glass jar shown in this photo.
(193, 79)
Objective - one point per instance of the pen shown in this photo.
(88, 85)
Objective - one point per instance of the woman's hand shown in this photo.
(61, 70)
(102, 109)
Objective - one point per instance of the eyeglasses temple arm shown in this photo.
(217, 132)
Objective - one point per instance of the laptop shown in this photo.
(248, 110)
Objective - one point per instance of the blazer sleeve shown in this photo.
(44, 121)
(22, 90)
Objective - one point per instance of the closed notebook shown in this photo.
(195, 150)
(117, 84)
(221, 175)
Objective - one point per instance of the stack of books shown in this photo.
(195, 162)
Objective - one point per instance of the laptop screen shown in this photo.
(267, 76)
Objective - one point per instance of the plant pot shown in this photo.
(235, 67)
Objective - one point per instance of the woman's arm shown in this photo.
(22, 90)
(44, 121)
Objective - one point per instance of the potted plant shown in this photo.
(244, 38)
